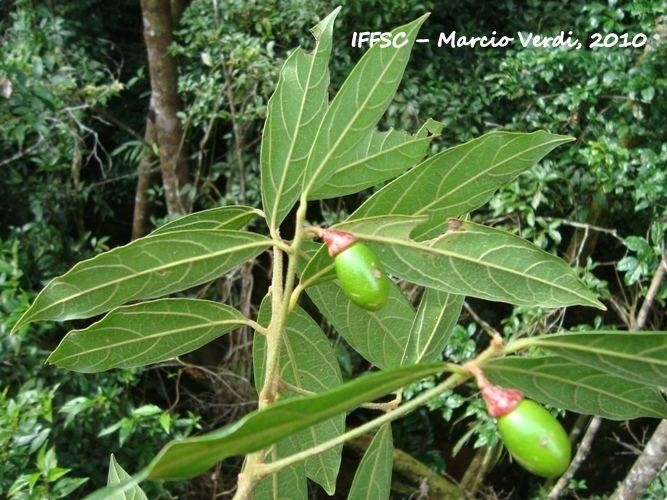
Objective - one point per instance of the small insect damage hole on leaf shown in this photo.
(453, 225)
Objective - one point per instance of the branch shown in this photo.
(461, 375)
(264, 470)
(652, 292)
(582, 452)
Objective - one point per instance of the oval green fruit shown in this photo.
(535, 439)
(361, 277)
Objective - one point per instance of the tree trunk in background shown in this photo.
(141, 219)
(177, 8)
(157, 19)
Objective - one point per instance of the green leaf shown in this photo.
(460, 179)
(380, 156)
(437, 315)
(372, 480)
(638, 356)
(145, 268)
(118, 476)
(288, 483)
(145, 333)
(319, 268)
(307, 361)
(232, 217)
(576, 387)
(473, 260)
(260, 429)
(358, 106)
(379, 336)
(295, 111)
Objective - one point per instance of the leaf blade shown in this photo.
(231, 217)
(144, 333)
(372, 481)
(306, 361)
(118, 476)
(638, 356)
(260, 429)
(289, 482)
(460, 179)
(378, 157)
(379, 336)
(294, 111)
(572, 386)
(474, 260)
(435, 320)
(145, 268)
(358, 106)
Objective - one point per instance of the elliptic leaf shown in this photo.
(576, 387)
(145, 268)
(145, 333)
(460, 179)
(260, 429)
(638, 356)
(232, 217)
(380, 156)
(358, 106)
(379, 336)
(118, 476)
(307, 361)
(436, 317)
(474, 260)
(295, 111)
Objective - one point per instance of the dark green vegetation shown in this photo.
(74, 146)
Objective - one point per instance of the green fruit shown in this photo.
(361, 277)
(535, 439)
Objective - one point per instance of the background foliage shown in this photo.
(71, 142)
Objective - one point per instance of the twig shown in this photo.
(582, 453)
(651, 293)
(492, 332)
(587, 227)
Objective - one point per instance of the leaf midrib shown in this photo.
(286, 164)
(606, 352)
(165, 333)
(445, 253)
(106, 284)
(360, 108)
(538, 374)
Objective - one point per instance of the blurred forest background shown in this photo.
(85, 166)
